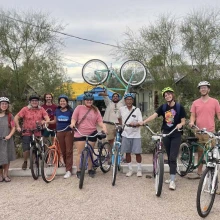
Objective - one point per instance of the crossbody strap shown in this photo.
(78, 123)
(128, 118)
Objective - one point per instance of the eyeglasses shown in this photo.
(34, 100)
(89, 100)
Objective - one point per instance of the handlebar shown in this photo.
(55, 129)
(161, 134)
(209, 133)
(84, 135)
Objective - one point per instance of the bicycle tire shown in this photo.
(89, 75)
(104, 157)
(115, 165)
(206, 178)
(34, 162)
(84, 157)
(159, 174)
(49, 165)
(183, 159)
(135, 68)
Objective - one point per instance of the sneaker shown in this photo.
(67, 175)
(172, 185)
(168, 181)
(129, 173)
(91, 173)
(194, 176)
(78, 174)
(139, 173)
(24, 165)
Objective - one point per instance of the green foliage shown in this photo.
(30, 50)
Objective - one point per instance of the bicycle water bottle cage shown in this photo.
(101, 136)
(155, 138)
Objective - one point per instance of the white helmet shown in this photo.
(203, 83)
(4, 99)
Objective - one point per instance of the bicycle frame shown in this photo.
(111, 73)
(90, 154)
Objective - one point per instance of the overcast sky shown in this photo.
(102, 20)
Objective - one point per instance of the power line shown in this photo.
(66, 34)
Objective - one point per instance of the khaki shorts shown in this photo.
(203, 138)
(111, 131)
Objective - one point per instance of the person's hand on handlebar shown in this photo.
(179, 126)
(191, 124)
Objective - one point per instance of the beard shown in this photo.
(115, 101)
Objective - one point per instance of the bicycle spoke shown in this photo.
(95, 72)
(133, 72)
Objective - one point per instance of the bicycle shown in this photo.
(132, 72)
(37, 149)
(52, 158)
(208, 183)
(102, 156)
(158, 159)
(186, 157)
(116, 151)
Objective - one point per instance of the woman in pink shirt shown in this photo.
(86, 118)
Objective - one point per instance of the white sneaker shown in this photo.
(167, 181)
(139, 173)
(67, 175)
(172, 185)
(129, 173)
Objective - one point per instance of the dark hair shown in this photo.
(46, 95)
(115, 93)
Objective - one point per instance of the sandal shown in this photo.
(1, 179)
(7, 179)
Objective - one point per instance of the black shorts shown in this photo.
(92, 139)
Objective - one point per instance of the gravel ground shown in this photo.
(130, 199)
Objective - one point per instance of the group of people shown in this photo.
(86, 118)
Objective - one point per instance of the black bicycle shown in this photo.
(102, 156)
(37, 149)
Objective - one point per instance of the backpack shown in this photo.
(164, 107)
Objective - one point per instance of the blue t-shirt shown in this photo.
(63, 119)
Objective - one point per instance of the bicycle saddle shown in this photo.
(101, 136)
(190, 139)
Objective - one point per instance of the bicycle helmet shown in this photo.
(4, 99)
(88, 96)
(63, 97)
(203, 83)
(129, 95)
(35, 96)
(167, 89)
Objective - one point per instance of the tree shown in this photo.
(30, 45)
(200, 32)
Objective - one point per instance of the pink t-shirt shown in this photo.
(88, 125)
(205, 113)
(30, 117)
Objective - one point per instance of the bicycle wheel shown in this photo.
(104, 157)
(49, 165)
(34, 162)
(183, 159)
(84, 157)
(205, 197)
(115, 165)
(133, 72)
(159, 172)
(95, 72)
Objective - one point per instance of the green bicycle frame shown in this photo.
(112, 72)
